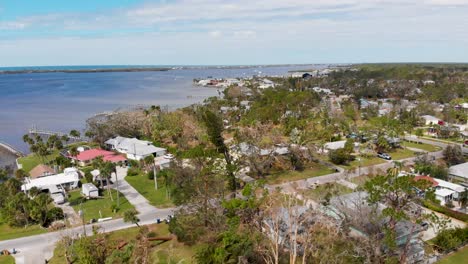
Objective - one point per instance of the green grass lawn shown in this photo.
(32, 160)
(7, 232)
(92, 207)
(400, 153)
(167, 252)
(146, 188)
(455, 258)
(7, 260)
(316, 170)
(365, 162)
(426, 147)
(321, 191)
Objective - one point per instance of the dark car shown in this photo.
(384, 156)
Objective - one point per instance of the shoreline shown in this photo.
(85, 70)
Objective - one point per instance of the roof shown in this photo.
(429, 117)
(41, 170)
(444, 192)
(335, 145)
(450, 186)
(427, 178)
(134, 146)
(89, 186)
(69, 175)
(94, 153)
(460, 170)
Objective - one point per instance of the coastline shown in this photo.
(8, 155)
(26, 71)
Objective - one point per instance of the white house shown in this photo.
(430, 120)
(444, 195)
(459, 172)
(445, 186)
(134, 148)
(335, 145)
(68, 179)
(265, 83)
(89, 190)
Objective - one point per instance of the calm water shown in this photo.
(63, 101)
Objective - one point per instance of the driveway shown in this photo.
(133, 196)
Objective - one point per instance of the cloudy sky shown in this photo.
(206, 32)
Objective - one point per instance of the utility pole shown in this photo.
(155, 176)
(117, 185)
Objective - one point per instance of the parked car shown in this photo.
(383, 155)
(425, 225)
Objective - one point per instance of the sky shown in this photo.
(215, 32)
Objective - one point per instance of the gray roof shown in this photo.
(134, 146)
(460, 170)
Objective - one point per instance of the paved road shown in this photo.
(36, 249)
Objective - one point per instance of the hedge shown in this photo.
(446, 211)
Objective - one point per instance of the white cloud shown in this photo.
(216, 34)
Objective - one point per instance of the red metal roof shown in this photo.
(94, 153)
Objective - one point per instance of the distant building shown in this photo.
(134, 148)
(41, 170)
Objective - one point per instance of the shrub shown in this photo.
(150, 175)
(339, 156)
(133, 172)
(450, 239)
(444, 210)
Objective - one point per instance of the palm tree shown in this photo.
(131, 215)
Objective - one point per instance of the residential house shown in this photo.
(430, 120)
(41, 170)
(135, 149)
(86, 157)
(448, 191)
(265, 83)
(459, 172)
(68, 179)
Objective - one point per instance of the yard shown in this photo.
(321, 191)
(32, 160)
(92, 207)
(360, 180)
(166, 252)
(7, 232)
(400, 153)
(365, 162)
(146, 188)
(7, 260)
(426, 147)
(455, 258)
(316, 170)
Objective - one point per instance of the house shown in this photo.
(335, 145)
(85, 158)
(430, 120)
(322, 90)
(89, 190)
(265, 83)
(41, 170)
(459, 172)
(446, 191)
(68, 179)
(135, 149)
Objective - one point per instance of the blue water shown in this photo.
(63, 101)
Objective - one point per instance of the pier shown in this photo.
(45, 134)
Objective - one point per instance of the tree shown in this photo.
(419, 132)
(131, 216)
(20, 174)
(215, 128)
(339, 156)
(453, 155)
(397, 194)
(75, 133)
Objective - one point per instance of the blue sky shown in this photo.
(203, 32)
